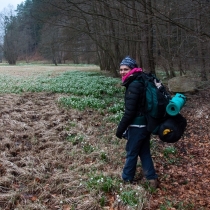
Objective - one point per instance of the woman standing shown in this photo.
(133, 124)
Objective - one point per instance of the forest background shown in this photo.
(56, 152)
(167, 35)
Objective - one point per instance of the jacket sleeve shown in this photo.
(133, 96)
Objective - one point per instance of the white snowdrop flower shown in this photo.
(118, 200)
(136, 193)
(61, 202)
(118, 196)
(121, 189)
(91, 178)
(80, 184)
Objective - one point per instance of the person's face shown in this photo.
(124, 70)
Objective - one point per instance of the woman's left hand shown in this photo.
(158, 84)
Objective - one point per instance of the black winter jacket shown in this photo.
(134, 106)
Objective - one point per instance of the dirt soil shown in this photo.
(32, 133)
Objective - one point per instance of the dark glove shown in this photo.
(119, 135)
(125, 135)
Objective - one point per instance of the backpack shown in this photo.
(172, 129)
(156, 99)
(162, 111)
(155, 102)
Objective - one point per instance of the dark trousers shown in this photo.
(138, 145)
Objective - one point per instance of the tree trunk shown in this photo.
(149, 63)
(201, 45)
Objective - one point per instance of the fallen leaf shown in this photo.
(33, 198)
(66, 207)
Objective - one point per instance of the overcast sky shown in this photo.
(6, 3)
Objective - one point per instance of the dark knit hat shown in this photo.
(130, 62)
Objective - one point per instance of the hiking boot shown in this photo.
(153, 183)
(127, 181)
(135, 181)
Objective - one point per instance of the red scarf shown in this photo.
(130, 73)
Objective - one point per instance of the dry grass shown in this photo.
(37, 161)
